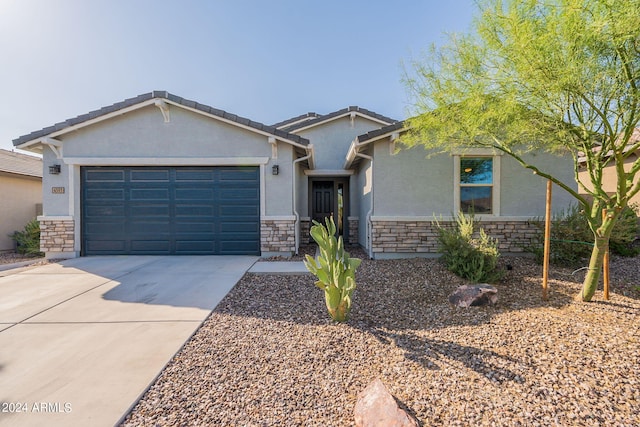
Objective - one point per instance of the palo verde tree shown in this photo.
(555, 75)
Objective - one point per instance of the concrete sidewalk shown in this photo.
(82, 339)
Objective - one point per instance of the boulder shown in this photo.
(376, 407)
(474, 295)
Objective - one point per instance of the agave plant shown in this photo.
(334, 269)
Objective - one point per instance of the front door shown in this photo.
(328, 198)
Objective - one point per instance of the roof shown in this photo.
(295, 120)
(144, 98)
(374, 134)
(362, 141)
(20, 164)
(304, 124)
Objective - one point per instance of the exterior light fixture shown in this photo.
(54, 169)
(467, 170)
(275, 170)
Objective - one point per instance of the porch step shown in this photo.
(292, 268)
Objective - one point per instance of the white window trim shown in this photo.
(495, 196)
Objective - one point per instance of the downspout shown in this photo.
(296, 227)
(370, 213)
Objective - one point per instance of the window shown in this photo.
(477, 178)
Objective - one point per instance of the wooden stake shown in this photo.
(605, 265)
(547, 244)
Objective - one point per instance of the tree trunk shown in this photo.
(600, 247)
(592, 278)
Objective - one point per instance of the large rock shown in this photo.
(474, 295)
(376, 407)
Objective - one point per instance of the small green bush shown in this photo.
(468, 254)
(572, 240)
(28, 240)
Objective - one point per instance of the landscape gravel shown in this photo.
(270, 356)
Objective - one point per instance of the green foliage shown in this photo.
(561, 76)
(572, 239)
(334, 268)
(28, 240)
(468, 256)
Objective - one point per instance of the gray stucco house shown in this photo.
(160, 174)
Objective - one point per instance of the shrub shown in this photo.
(334, 268)
(28, 240)
(572, 239)
(469, 254)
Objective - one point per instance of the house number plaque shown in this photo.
(57, 190)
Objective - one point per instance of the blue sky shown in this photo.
(267, 60)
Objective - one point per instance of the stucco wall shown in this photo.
(410, 184)
(20, 194)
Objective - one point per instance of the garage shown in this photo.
(170, 210)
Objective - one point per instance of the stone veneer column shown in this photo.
(57, 235)
(354, 223)
(277, 235)
(305, 231)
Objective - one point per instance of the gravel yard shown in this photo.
(269, 355)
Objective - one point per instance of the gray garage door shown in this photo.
(170, 210)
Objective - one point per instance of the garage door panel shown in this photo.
(171, 210)
(105, 176)
(191, 211)
(194, 175)
(150, 174)
(249, 194)
(194, 194)
(149, 194)
(104, 211)
(235, 247)
(106, 247)
(105, 194)
(194, 246)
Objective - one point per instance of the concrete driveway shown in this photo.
(82, 339)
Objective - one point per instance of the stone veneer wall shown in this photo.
(352, 239)
(421, 236)
(305, 227)
(354, 223)
(57, 235)
(277, 235)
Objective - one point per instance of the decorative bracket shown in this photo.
(274, 147)
(55, 145)
(353, 118)
(164, 108)
(392, 146)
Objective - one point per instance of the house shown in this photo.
(160, 174)
(21, 192)
(609, 175)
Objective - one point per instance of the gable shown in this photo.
(165, 105)
(331, 139)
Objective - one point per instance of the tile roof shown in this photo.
(20, 164)
(162, 95)
(382, 131)
(303, 117)
(339, 113)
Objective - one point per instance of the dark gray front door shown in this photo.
(170, 210)
(329, 198)
(323, 200)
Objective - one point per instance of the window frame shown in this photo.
(495, 185)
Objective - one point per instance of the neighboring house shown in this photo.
(609, 175)
(21, 193)
(159, 174)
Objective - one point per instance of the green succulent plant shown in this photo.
(334, 269)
